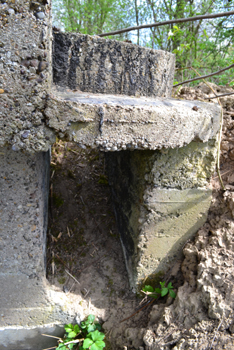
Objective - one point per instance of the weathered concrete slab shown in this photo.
(97, 65)
(28, 338)
(114, 122)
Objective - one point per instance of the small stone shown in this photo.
(11, 11)
(25, 63)
(34, 63)
(1, 91)
(40, 15)
(42, 66)
(32, 77)
(225, 146)
(65, 289)
(15, 148)
(25, 134)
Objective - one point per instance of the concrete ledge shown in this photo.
(114, 123)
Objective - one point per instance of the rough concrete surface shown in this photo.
(114, 123)
(29, 338)
(25, 300)
(25, 74)
(93, 64)
(24, 190)
(161, 199)
(173, 216)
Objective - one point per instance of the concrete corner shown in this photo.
(161, 199)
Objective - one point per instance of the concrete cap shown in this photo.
(118, 122)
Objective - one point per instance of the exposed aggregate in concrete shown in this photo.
(23, 188)
(31, 115)
(24, 75)
(129, 123)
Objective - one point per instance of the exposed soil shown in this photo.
(83, 240)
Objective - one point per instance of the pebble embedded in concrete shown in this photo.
(40, 15)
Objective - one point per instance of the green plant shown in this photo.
(87, 335)
(162, 291)
(94, 341)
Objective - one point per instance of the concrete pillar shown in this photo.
(161, 199)
(25, 311)
(24, 196)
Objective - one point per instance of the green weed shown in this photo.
(157, 292)
(87, 335)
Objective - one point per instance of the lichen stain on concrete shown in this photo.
(185, 167)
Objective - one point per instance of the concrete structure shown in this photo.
(107, 95)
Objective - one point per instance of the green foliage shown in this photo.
(85, 336)
(89, 325)
(89, 16)
(206, 45)
(157, 292)
(94, 341)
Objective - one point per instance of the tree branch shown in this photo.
(227, 94)
(179, 20)
(205, 76)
